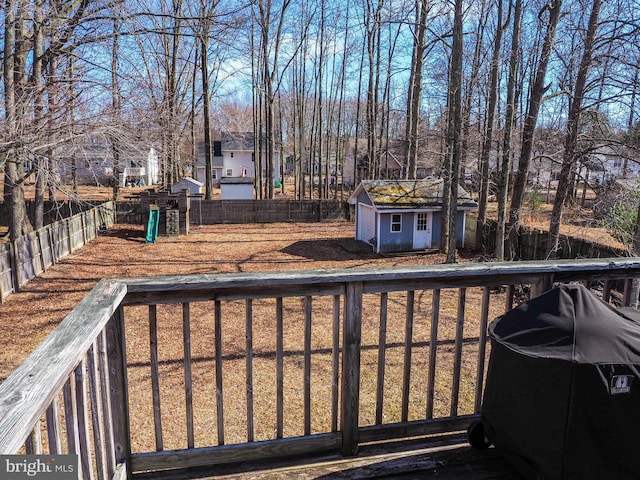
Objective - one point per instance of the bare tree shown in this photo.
(510, 108)
(538, 90)
(570, 157)
(270, 43)
(454, 140)
(414, 97)
(487, 143)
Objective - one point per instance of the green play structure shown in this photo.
(152, 224)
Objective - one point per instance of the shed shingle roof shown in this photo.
(425, 192)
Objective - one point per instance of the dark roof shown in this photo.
(426, 192)
(237, 141)
(236, 180)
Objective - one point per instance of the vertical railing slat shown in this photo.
(96, 410)
(279, 369)
(105, 385)
(509, 298)
(117, 358)
(33, 445)
(382, 350)
(249, 367)
(71, 416)
(155, 376)
(408, 344)
(606, 292)
(628, 293)
(433, 350)
(308, 304)
(457, 366)
(482, 347)
(54, 430)
(335, 363)
(219, 390)
(188, 382)
(83, 421)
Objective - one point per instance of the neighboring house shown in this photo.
(598, 167)
(193, 186)
(233, 156)
(390, 162)
(94, 160)
(404, 215)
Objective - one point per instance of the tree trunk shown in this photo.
(488, 135)
(38, 84)
(204, 72)
(414, 97)
(569, 156)
(454, 131)
(13, 73)
(537, 91)
(115, 105)
(508, 128)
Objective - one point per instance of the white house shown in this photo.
(233, 156)
(94, 161)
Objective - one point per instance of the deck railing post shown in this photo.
(545, 284)
(350, 405)
(631, 289)
(116, 355)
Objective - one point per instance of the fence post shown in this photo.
(350, 404)
(69, 233)
(15, 265)
(94, 212)
(40, 249)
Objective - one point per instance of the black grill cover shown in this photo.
(562, 398)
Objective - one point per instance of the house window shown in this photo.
(229, 172)
(214, 174)
(396, 223)
(422, 222)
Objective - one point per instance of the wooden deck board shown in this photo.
(445, 458)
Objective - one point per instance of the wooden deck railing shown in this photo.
(162, 373)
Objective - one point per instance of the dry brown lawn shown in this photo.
(27, 317)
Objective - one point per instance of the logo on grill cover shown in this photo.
(621, 384)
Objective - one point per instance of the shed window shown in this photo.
(422, 222)
(396, 222)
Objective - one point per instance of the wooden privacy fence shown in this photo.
(155, 374)
(211, 212)
(30, 255)
(532, 243)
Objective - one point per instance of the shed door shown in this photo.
(422, 225)
(366, 223)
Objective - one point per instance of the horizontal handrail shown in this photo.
(145, 290)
